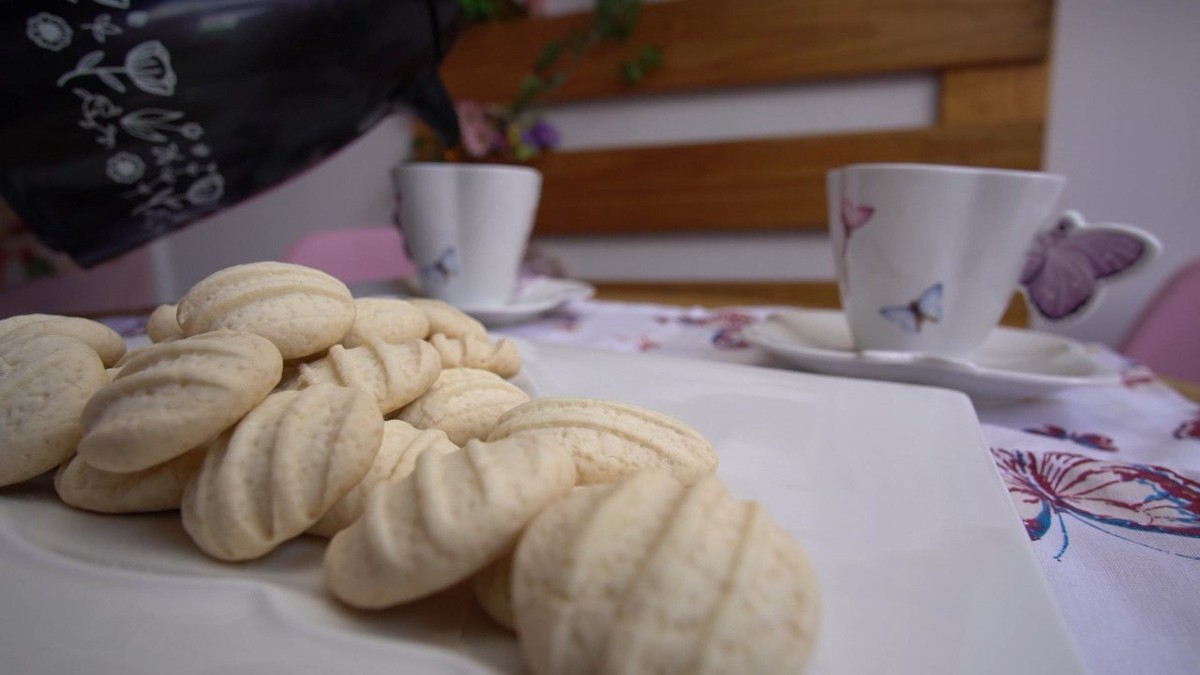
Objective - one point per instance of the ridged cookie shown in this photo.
(451, 517)
(175, 396)
(389, 319)
(395, 374)
(447, 319)
(107, 342)
(159, 488)
(610, 440)
(500, 357)
(650, 576)
(402, 444)
(463, 402)
(45, 382)
(492, 588)
(280, 469)
(301, 310)
(162, 324)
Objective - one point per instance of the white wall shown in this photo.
(1124, 112)
(1125, 93)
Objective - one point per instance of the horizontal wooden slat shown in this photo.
(732, 293)
(993, 94)
(724, 43)
(775, 184)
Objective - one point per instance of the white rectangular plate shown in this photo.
(923, 564)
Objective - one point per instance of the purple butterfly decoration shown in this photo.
(1066, 262)
(1137, 498)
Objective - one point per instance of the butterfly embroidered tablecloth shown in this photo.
(1105, 479)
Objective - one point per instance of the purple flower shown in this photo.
(541, 135)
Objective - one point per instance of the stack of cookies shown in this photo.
(271, 404)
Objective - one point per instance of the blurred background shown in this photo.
(1123, 94)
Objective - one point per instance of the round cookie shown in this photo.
(397, 456)
(649, 575)
(610, 440)
(162, 324)
(280, 469)
(389, 319)
(301, 310)
(159, 488)
(463, 402)
(109, 345)
(452, 516)
(171, 397)
(45, 382)
(500, 357)
(395, 374)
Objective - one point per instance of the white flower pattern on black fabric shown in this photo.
(125, 168)
(49, 31)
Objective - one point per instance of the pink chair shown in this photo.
(354, 254)
(1166, 337)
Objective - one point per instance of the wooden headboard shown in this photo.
(989, 57)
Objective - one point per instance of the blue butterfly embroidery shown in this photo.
(911, 317)
(446, 265)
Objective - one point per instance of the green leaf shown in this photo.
(631, 72)
(550, 54)
(651, 57)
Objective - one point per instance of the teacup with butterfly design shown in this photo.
(928, 256)
(466, 227)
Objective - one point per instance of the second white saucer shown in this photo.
(533, 297)
(1012, 363)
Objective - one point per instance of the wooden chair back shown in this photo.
(989, 57)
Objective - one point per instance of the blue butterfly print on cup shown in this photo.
(912, 316)
(445, 266)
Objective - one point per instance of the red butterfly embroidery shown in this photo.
(1189, 429)
(1137, 498)
(1088, 440)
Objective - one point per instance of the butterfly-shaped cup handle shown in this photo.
(1068, 265)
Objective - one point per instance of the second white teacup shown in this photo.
(466, 227)
(928, 256)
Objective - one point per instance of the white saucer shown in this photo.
(1011, 363)
(533, 297)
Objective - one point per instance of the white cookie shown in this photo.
(280, 469)
(175, 396)
(402, 444)
(301, 310)
(109, 345)
(648, 575)
(388, 319)
(395, 374)
(449, 320)
(162, 324)
(610, 440)
(45, 382)
(492, 588)
(500, 357)
(463, 402)
(452, 516)
(159, 488)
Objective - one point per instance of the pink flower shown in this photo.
(533, 7)
(478, 134)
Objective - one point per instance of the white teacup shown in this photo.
(928, 256)
(466, 227)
